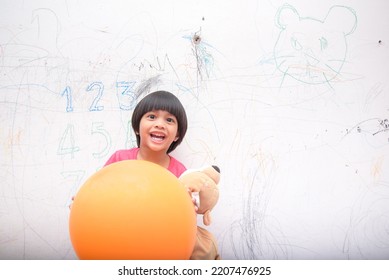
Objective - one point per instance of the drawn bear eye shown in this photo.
(323, 43)
(296, 44)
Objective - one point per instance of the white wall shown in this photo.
(290, 100)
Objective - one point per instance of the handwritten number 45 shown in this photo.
(125, 92)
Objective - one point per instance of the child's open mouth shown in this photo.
(157, 137)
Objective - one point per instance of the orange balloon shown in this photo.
(132, 209)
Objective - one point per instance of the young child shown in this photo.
(160, 123)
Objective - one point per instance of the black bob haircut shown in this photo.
(161, 100)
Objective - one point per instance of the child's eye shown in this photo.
(170, 120)
(151, 116)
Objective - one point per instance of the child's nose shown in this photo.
(159, 124)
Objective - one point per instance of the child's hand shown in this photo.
(194, 200)
(71, 203)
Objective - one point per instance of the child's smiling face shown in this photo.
(158, 129)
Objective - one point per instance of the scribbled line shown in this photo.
(204, 59)
(67, 144)
(126, 93)
(76, 176)
(258, 235)
(368, 222)
(69, 100)
(28, 88)
(100, 88)
(125, 90)
(158, 66)
(98, 128)
(384, 124)
(308, 49)
(380, 125)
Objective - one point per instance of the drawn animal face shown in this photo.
(310, 50)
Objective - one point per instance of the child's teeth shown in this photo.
(158, 136)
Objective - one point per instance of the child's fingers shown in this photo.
(71, 203)
(195, 200)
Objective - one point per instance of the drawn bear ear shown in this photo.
(286, 15)
(341, 18)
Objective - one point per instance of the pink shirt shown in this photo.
(175, 167)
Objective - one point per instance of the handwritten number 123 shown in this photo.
(125, 94)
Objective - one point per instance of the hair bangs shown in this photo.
(165, 103)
